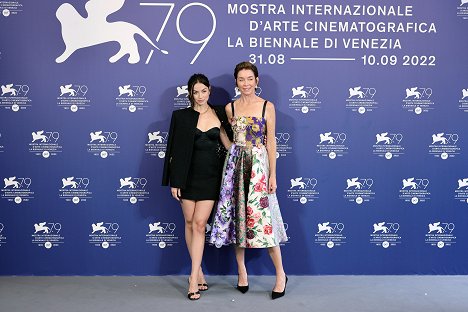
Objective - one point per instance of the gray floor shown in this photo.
(168, 294)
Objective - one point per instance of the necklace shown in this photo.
(207, 108)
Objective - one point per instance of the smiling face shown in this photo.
(246, 81)
(200, 93)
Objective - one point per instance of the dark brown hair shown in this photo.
(193, 80)
(245, 65)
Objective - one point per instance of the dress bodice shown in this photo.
(248, 131)
(206, 140)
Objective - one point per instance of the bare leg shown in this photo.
(196, 215)
(275, 254)
(188, 209)
(200, 218)
(241, 269)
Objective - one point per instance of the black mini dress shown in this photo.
(204, 176)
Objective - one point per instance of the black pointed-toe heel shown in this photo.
(242, 289)
(276, 295)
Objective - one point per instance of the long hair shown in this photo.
(193, 80)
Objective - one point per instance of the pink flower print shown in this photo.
(267, 229)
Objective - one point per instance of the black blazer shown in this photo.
(180, 144)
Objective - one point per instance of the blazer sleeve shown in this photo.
(169, 148)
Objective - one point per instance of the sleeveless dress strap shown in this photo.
(232, 108)
(264, 108)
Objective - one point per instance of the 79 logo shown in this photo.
(282, 137)
(75, 183)
(103, 136)
(14, 90)
(105, 228)
(47, 227)
(305, 92)
(73, 90)
(330, 227)
(361, 93)
(45, 136)
(17, 183)
(168, 227)
(356, 183)
(441, 227)
(138, 183)
(132, 91)
(389, 138)
(386, 227)
(415, 184)
(332, 138)
(304, 183)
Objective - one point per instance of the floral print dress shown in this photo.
(246, 215)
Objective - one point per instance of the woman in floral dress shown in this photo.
(248, 213)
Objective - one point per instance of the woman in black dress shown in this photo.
(193, 169)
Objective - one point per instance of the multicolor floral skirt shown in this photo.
(246, 215)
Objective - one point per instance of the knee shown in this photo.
(199, 226)
(188, 223)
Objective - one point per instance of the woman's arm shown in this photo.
(271, 145)
(224, 139)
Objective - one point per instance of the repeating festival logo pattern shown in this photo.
(461, 192)
(440, 234)
(385, 234)
(133, 189)
(162, 234)
(156, 144)
(131, 98)
(462, 9)
(330, 234)
(73, 97)
(388, 145)
(10, 8)
(103, 143)
(47, 234)
(418, 100)
(415, 190)
(362, 99)
(332, 144)
(17, 189)
(359, 190)
(444, 145)
(303, 190)
(75, 189)
(45, 143)
(45, 103)
(305, 99)
(283, 144)
(181, 99)
(105, 235)
(15, 96)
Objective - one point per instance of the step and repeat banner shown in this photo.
(372, 131)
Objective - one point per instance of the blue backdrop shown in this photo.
(372, 106)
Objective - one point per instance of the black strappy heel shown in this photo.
(191, 295)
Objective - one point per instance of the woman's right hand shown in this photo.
(175, 193)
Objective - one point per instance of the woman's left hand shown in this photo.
(272, 185)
